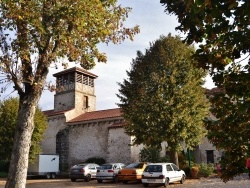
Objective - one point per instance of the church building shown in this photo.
(77, 131)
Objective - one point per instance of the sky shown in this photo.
(153, 22)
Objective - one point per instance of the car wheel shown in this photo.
(125, 181)
(145, 184)
(73, 179)
(87, 178)
(53, 175)
(182, 179)
(48, 176)
(166, 182)
(99, 181)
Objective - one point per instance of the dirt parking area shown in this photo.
(66, 183)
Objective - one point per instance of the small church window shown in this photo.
(86, 101)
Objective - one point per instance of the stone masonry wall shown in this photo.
(118, 146)
(200, 152)
(55, 124)
(88, 140)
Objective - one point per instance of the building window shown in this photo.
(210, 156)
(86, 101)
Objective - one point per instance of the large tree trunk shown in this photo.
(22, 141)
(174, 157)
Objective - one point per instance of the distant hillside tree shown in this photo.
(8, 118)
(163, 98)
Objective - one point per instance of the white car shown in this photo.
(163, 174)
(109, 172)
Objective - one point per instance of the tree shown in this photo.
(36, 34)
(230, 133)
(8, 116)
(222, 30)
(163, 100)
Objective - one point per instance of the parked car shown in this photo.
(109, 172)
(132, 172)
(162, 173)
(86, 171)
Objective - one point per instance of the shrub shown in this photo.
(205, 170)
(163, 159)
(150, 154)
(96, 160)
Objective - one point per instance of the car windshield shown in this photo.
(135, 165)
(104, 167)
(153, 168)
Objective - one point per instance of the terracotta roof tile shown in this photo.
(214, 91)
(102, 114)
(117, 125)
(49, 113)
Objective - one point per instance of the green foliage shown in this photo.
(45, 32)
(221, 27)
(222, 30)
(151, 154)
(230, 133)
(8, 116)
(96, 160)
(162, 100)
(205, 170)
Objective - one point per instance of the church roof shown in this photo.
(213, 91)
(75, 69)
(49, 113)
(102, 114)
(117, 125)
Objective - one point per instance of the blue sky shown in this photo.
(153, 22)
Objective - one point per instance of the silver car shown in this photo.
(109, 172)
(86, 171)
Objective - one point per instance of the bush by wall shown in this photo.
(96, 160)
(205, 170)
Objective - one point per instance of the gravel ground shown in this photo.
(238, 182)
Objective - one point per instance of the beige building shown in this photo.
(76, 131)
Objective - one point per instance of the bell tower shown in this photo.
(75, 89)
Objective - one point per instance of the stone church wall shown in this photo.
(88, 140)
(64, 101)
(135, 152)
(118, 146)
(200, 154)
(55, 124)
